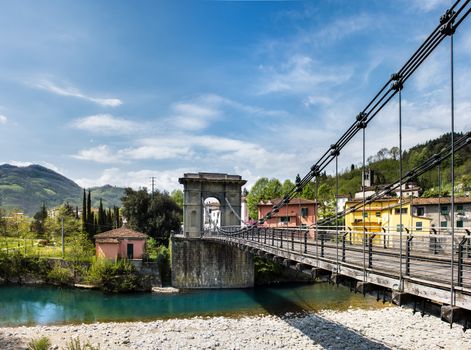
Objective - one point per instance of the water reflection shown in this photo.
(48, 305)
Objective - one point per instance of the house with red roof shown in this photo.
(120, 243)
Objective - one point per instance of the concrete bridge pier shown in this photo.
(201, 264)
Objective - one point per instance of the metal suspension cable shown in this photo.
(233, 211)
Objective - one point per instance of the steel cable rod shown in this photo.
(452, 166)
(426, 46)
(423, 57)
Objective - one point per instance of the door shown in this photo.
(130, 251)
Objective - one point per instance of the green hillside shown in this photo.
(26, 188)
(385, 164)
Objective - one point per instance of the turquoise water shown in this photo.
(21, 305)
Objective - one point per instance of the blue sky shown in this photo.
(119, 91)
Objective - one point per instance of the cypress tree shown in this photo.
(84, 211)
(89, 214)
(101, 217)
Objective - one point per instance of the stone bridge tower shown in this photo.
(201, 263)
(199, 187)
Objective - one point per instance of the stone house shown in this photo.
(439, 211)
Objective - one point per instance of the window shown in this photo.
(459, 223)
(443, 224)
(284, 219)
(444, 209)
(365, 214)
(420, 211)
(398, 228)
(460, 209)
(397, 211)
(418, 226)
(304, 212)
(378, 214)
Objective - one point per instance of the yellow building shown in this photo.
(381, 220)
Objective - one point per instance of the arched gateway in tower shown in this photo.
(227, 189)
(202, 263)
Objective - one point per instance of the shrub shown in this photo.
(113, 277)
(16, 265)
(163, 263)
(42, 343)
(59, 274)
(75, 344)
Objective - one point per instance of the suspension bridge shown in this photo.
(403, 262)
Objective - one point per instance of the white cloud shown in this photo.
(194, 116)
(19, 163)
(105, 124)
(3, 119)
(317, 100)
(205, 151)
(74, 92)
(302, 74)
(99, 154)
(164, 179)
(430, 5)
(342, 28)
(198, 113)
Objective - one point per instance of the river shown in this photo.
(24, 305)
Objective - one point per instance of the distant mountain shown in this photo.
(26, 188)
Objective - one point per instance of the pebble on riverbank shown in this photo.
(388, 328)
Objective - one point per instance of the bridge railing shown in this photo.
(421, 254)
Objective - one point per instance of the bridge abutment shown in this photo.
(198, 263)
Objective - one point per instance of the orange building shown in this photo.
(120, 243)
(298, 212)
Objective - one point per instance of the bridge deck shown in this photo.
(426, 272)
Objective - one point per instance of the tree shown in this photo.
(273, 189)
(155, 215)
(394, 152)
(84, 211)
(382, 154)
(177, 196)
(255, 196)
(38, 225)
(326, 200)
(66, 210)
(287, 186)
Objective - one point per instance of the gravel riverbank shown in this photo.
(388, 328)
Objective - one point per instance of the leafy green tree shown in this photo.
(255, 196)
(178, 197)
(156, 215)
(287, 186)
(326, 200)
(38, 225)
(66, 210)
